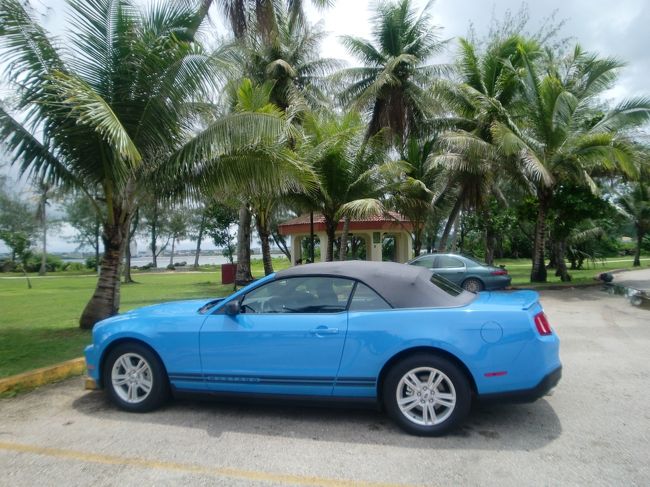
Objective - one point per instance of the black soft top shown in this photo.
(403, 286)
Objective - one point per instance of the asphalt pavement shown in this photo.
(594, 429)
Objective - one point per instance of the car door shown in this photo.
(450, 267)
(287, 339)
(424, 261)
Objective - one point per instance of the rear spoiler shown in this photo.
(528, 299)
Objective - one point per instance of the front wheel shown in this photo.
(427, 395)
(135, 379)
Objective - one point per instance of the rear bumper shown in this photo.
(526, 395)
(494, 283)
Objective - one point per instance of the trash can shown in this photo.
(228, 273)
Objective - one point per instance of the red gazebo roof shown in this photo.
(377, 223)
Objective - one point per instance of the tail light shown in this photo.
(500, 272)
(541, 322)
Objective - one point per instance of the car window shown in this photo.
(448, 262)
(424, 261)
(365, 299)
(445, 284)
(299, 295)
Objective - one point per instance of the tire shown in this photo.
(450, 403)
(473, 285)
(135, 379)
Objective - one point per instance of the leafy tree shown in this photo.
(117, 107)
(17, 223)
(635, 205)
(562, 137)
(394, 76)
(219, 220)
(177, 230)
(83, 217)
(155, 224)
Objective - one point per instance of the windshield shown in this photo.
(446, 285)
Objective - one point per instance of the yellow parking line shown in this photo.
(233, 473)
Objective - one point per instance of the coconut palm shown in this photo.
(635, 205)
(487, 93)
(563, 137)
(416, 188)
(391, 84)
(100, 112)
(247, 15)
(348, 171)
(291, 61)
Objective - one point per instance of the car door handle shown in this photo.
(324, 330)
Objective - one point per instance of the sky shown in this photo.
(618, 29)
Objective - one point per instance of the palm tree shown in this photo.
(100, 112)
(45, 192)
(562, 137)
(299, 177)
(247, 15)
(392, 82)
(414, 192)
(291, 61)
(487, 93)
(635, 205)
(348, 171)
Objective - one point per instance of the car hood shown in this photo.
(173, 308)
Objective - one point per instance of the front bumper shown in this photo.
(526, 395)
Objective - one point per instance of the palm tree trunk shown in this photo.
(637, 252)
(330, 229)
(442, 245)
(154, 236)
(344, 238)
(244, 275)
(198, 241)
(171, 257)
(264, 233)
(559, 252)
(538, 272)
(105, 301)
(43, 270)
(97, 237)
(133, 226)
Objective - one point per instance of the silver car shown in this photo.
(468, 273)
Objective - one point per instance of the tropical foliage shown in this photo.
(510, 150)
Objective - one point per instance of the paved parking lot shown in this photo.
(593, 430)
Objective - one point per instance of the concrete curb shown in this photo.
(45, 375)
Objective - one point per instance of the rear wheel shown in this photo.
(473, 285)
(426, 395)
(135, 379)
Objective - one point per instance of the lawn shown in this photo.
(519, 269)
(38, 327)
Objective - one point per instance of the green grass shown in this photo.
(519, 269)
(39, 326)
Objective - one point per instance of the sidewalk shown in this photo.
(639, 280)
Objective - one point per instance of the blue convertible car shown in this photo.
(396, 335)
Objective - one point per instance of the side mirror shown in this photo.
(232, 308)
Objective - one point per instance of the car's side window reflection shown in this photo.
(299, 295)
(365, 299)
(424, 262)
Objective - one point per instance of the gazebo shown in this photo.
(372, 230)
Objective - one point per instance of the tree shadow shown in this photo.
(522, 427)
